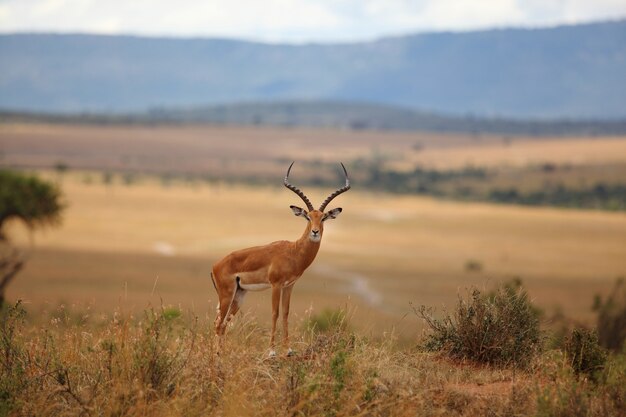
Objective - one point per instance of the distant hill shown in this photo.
(569, 71)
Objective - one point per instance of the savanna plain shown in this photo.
(117, 304)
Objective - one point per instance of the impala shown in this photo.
(277, 265)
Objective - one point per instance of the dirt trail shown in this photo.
(355, 283)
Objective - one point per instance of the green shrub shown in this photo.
(339, 371)
(585, 354)
(157, 362)
(511, 287)
(129, 178)
(171, 313)
(472, 265)
(565, 400)
(107, 178)
(612, 317)
(324, 376)
(614, 382)
(500, 329)
(328, 320)
(12, 372)
(567, 395)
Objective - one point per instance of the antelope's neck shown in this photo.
(306, 251)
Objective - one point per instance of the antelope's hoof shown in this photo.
(272, 354)
(290, 353)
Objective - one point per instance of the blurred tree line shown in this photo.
(479, 184)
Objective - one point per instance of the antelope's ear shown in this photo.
(299, 212)
(332, 214)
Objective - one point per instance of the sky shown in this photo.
(294, 21)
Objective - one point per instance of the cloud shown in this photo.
(293, 20)
(467, 14)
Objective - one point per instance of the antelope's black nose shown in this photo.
(315, 231)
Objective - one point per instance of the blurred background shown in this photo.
(140, 142)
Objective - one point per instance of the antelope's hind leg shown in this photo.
(229, 303)
(236, 304)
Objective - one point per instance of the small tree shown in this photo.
(34, 202)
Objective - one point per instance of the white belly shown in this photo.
(254, 287)
(253, 280)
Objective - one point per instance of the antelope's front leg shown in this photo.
(276, 291)
(285, 301)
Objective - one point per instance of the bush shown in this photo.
(328, 320)
(472, 265)
(571, 399)
(614, 380)
(156, 361)
(567, 395)
(501, 329)
(612, 317)
(12, 372)
(585, 354)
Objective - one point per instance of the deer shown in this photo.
(277, 265)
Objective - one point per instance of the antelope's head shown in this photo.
(316, 218)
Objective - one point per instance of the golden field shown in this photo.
(149, 240)
(232, 150)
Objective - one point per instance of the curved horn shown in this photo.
(339, 191)
(297, 190)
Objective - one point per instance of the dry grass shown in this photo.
(162, 363)
(114, 370)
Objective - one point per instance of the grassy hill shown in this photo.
(165, 362)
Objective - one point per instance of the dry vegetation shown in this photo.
(132, 243)
(163, 362)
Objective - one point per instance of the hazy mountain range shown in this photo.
(563, 72)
